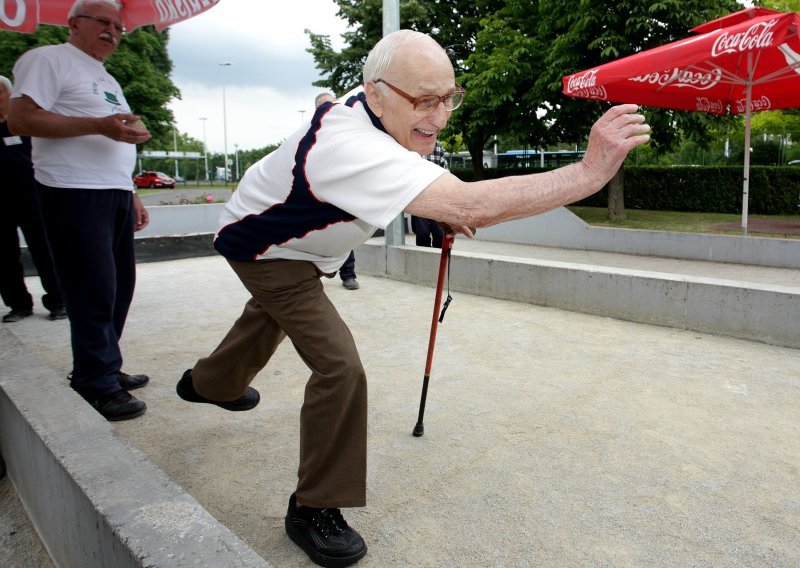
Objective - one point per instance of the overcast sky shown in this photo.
(269, 80)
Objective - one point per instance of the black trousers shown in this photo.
(21, 209)
(428, 232)
(348, 269)
(91, 236)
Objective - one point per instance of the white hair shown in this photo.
(5, 82)
(383, 53)
(81, 5)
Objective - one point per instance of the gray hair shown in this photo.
(381, 56)
(5, 82)
(80, 5)
(320, 96)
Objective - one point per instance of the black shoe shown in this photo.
(119, 405)
(350, 284)
(16, 315)
(131, 382)
(247, 401)
(58, 313)
(324, 535)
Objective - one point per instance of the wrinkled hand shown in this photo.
(459, 230)
(141, 217)
(615, 134)
(124, 128)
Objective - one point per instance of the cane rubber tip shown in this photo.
(419, 430)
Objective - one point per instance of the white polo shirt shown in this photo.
(65, 80)
(324, 191)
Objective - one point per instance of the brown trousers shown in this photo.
(288, 299)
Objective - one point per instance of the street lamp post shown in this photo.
(224, 120)
(205, 147)
(237, 161)
(175, 145)
(302, 114)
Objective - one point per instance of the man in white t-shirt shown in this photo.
(84, 140)
(298, 213)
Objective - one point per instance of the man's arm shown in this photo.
(488, 202)
(141, 216)
(26, 118)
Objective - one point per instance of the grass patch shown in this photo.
(682, 221)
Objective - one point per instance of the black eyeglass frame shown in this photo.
(459, 90)
(104, 21)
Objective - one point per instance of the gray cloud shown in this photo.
(198, 61)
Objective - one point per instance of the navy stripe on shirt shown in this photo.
(300, 214)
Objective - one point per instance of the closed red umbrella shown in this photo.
(744, 62)
(25, 15)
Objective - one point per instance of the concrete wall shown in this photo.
(559, 228)
(769, 314)
(169, 220)
(95, 500)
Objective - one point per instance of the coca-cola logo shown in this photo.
(756, 36)
(581, 82)
(704, 104)
(597, 93)
(695, 79)
(756, 105)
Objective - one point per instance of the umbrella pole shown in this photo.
(747, 115)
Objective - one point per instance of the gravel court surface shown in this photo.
(552, 438)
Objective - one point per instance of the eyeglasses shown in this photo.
(105, 22)
(427, 104)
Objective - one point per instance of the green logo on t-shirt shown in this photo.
(112, 98)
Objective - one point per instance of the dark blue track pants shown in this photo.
(90, 233)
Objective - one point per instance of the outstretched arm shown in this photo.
(488, 202)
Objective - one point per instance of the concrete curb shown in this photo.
(747, 311)
(94, 499)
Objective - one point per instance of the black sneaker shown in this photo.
(58, 313)
(16, 315)
(131, 382)
(324, 535)
(247, 401)
(119, 405)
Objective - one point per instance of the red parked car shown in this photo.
(153, 179)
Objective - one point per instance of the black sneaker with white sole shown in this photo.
(324, 535)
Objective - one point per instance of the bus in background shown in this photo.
(518, 159)
(537, 159)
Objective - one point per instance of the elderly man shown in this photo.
(296, 216)
(84, 152)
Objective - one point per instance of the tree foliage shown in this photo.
(141, 64)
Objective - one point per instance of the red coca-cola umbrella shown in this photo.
(25, 15)
(745, 62)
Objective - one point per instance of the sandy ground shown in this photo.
(552, 438)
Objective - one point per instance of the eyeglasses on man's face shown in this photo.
(105, 22)
(427, 104)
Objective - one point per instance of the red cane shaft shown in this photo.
(447, 243)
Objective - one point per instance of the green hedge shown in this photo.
(774, 190)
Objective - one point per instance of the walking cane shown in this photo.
(447, 244)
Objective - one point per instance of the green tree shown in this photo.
(581, 34)
(141, 64)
